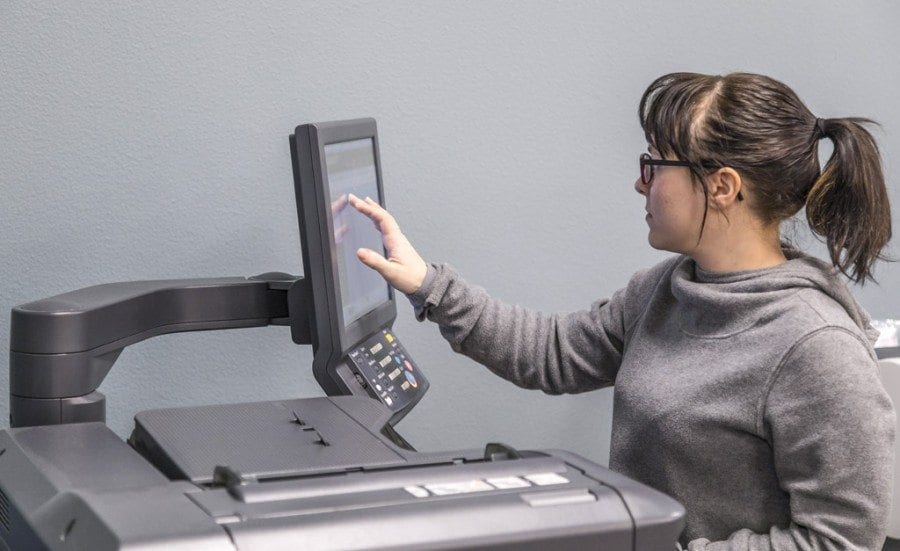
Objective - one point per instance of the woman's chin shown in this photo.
(658, 243)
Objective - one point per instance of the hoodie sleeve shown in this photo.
(560, 353)
(831, 427)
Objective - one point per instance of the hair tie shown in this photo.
(820, 128)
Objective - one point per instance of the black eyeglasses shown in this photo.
(648, 169)
(649, 164)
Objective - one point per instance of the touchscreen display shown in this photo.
(351, 169)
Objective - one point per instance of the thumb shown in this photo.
(373, 260)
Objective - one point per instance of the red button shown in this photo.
(408, 365)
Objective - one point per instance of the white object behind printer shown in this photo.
(890, 377)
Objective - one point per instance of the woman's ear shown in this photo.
(725, 188)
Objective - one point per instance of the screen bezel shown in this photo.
(344, 336)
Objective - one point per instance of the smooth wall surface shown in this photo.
(148, 140)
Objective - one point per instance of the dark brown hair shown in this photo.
(759, 127)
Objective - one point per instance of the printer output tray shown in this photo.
(315, 473)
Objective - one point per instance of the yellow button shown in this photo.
(389, 337)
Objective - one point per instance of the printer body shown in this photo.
(315, 473)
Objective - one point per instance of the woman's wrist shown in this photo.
(421, 293)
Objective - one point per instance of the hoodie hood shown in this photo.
(721, 304)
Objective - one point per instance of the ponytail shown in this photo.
(848, 203)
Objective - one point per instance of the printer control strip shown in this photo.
(387, 369)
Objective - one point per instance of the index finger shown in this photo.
(382, 218)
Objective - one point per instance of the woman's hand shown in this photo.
(403, 269)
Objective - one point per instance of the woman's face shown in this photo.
(674, 206)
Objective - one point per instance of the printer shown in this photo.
(313, 473)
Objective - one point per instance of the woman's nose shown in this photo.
(639, 186)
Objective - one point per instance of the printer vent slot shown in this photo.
(4, 511)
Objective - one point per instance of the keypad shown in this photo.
(387, 368)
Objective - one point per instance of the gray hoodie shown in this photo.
(752, 397)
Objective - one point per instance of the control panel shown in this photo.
(384, 368)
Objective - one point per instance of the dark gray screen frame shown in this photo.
(317, 232)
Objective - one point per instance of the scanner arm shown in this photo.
(62, 347)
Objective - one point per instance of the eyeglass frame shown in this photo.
(647, 160)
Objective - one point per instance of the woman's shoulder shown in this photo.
(643, 282)
(824, 300)
(643, 286)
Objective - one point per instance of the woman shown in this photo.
(745, 381)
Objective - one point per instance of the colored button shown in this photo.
(408, 365)
(398, 360)
(412, 379)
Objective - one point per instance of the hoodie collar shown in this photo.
(721, 304)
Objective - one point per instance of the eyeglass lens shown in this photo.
(646, 169)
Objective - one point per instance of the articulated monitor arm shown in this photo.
(62, 347)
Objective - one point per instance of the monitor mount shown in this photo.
(62, 347)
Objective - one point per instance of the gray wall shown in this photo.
(143, 142)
